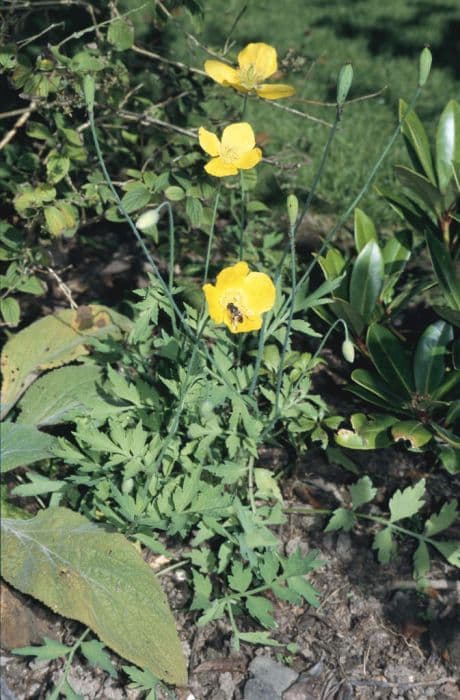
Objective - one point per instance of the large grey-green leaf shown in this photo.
(23, 444)
(82, 571)
(57, 395)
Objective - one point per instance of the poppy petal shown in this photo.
(249, 160)
(221, 72)
(261, 58)
(208, 141)
(233, 275)
(239, 138)
(215, 308)
(219, 168)
(260, 292)
(275, 91)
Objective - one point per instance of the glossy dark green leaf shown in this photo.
(376, 385)
(447, 435)
(371, 398)
(409, 210)
(447, 143)
(367, 280)
(421, 187)
(416, 137)
(397, 251)
(364, 230)
(444, 270)
(390, 358)
(429, 365)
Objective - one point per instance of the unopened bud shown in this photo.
(348, 351)
(293, 209)
(344, 82)
(148, 219)
(424, 66)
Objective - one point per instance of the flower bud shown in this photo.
(293, 209)
(89, 89)
(148, 219)
(424, 66)
(348, 351)
(344, 82)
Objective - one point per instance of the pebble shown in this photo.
(270, 679)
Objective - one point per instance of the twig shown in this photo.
(19, 123)
(95, 27)
(298, 112)
(63, 287)
(401, 684)
(24, 42)
(145, 119)
(318, 103)
(157, 57)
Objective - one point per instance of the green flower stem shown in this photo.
(211, 234)
(174, 424)
(361, 193)
(293, 232)
(251, 485)
(188, 331)
(287, 337)
(242, 216)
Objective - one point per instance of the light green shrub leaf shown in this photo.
(121, 35)
(84, 572)
(404, 504)
(438, 522)
(50, 650)
(450, 550)
(342, 519)
(383, 543)
(23, 444)
(136, 197)
(421, 560)
(174, 193)
(267, 486)
(258, 638)
(61, 218)
(57, 166)
(260, 608)
(94, 652)
(10, 310)
(362, 492)
(240, 578)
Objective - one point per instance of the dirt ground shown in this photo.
(373, 636)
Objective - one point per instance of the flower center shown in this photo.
(229, 154)
(249, 78)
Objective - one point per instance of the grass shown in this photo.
(383, 42)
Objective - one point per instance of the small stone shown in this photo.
(270, 679)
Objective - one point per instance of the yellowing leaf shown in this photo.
(51, 342)
(84, 572)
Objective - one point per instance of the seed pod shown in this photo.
(424, 66)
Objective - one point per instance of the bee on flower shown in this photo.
(256, 63)
(239, 298)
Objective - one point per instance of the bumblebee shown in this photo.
(235, 314)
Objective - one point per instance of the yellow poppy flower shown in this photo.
(235, 152)
(239, 297)
(256, 62)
